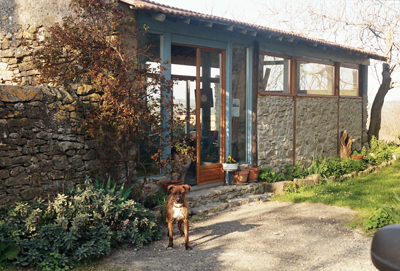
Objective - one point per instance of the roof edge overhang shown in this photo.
(161, 12)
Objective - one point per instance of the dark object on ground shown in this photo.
(385, 250)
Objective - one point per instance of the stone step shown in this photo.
(223, 194)
(216, 207)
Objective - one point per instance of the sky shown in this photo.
(249, 11)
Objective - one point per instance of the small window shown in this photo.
(348, 82)
(273, 74)
(316, 78)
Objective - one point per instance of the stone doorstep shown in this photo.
(214, 208)
(223, 193)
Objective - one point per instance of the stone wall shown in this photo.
(316, 127)
(41, 149)
(24, 20)
(350, 119)
(275, 131)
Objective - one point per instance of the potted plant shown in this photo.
(253, 174)
(231, 164)
(357, 155)
(241, 175)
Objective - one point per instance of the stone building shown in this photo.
(266, 96)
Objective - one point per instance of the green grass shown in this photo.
(364, 194)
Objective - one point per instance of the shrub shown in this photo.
(335, 166)
(378, 219)
(296, 171)
(80, 225)
(270, 176)
(380, 151)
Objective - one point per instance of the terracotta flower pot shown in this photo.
(241, 176)
(167, 183)
(253, 174)
(357, 157)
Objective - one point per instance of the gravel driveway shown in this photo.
(264, 236)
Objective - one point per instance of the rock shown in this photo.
(44, 135)
(64, 146)
(31, 193)
(331, 179)
(60, 162)
(20, 160)
(35, 179)
(18, 180)
(56, 175)
(90, 155)
(46, 165)
(4, 174)
(5, 162)
(315, 177)
(16, 171)
(50, 149)
(304, 182)
(278, 188)
(85, 90)
(75, 161)
(3, 129)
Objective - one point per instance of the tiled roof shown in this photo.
(160, 11)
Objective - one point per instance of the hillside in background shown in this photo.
(390, 127)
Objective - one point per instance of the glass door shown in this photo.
(210, 102)
(202, 69)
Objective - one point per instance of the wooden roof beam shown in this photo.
(229, 28)
(159, 16)
(207, 24)
(242, 31)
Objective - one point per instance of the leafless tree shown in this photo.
(370, 24)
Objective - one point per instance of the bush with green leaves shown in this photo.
(296, 171)
(387, 214)
(78, 226)
(335, 166)
(378, 219)
(380, 151)
(270, 176)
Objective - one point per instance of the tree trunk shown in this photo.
(345, 145)
(376, 109)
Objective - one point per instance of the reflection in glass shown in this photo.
(273, 74)
(348, 82)
(239, 117)
(210, 107)
(315, 78)
(152, 44)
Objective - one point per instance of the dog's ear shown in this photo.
(170, 187)
(187, 187)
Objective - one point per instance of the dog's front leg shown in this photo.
(170, 229)
(180, 227)
(186, 225)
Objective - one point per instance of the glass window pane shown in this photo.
(150, 43)
(348, 82)
(315, 78)
(239, 123)
(273, 74)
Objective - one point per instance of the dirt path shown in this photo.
(264, 236)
